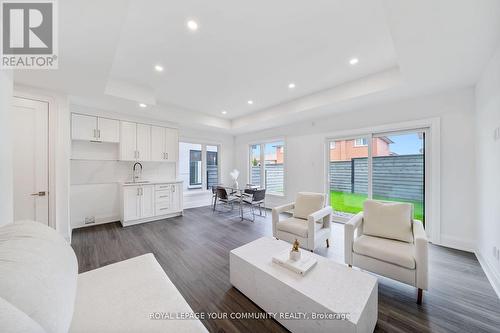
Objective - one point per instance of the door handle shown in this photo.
(39, 194)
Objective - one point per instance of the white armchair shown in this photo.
(386, 240)
(310, 223)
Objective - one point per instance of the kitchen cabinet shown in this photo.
(164, 144)
(154, 201)
(138, 202)
(135, 143)
(92, 128)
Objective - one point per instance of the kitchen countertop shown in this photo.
(151, 182)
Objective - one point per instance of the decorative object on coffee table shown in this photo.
(295, 252)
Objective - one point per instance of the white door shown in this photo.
(131, 202)
(147, 201)
(143, 142)
(157, 143)
(128, 139)
(108, 130)
(83, 127)
(171, 144)
(31, 170)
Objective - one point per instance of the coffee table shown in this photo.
(316, 302)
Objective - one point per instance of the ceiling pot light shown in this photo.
(250, 102)
(142, 105)
(158, 68)
(354, 61)
(223, 112)
(291, 85)
(192, 25)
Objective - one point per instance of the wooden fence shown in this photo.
(393, 176)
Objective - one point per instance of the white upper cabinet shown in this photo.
(91, 128)
(128, 141)
(143, 142)
(135, 142)
(171, 144)
(108, 130)
(157, 143)
(164, 144)
(83, 127)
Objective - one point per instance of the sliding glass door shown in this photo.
(382, 166)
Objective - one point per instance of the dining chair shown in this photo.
(254, 198)
(222, 196)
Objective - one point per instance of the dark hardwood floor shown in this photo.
(194, 252)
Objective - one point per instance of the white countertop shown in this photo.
(151, 182)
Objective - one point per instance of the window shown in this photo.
(270, 174)
(360, 142)
(212, 166)
(198, 165)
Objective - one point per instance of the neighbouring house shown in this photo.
(275, 157)
(345, 150)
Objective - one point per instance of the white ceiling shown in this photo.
(252, 50)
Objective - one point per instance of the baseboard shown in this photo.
(491, 274)
(457, 243)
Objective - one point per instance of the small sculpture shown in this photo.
(295, 252)
(234, 175)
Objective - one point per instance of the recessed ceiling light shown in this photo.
(192, 25)
(250, 102)
(354, 61)
(223, 112)
(142, 105)
(291, 85)
(158, 68)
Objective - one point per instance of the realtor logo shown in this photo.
(29, 34)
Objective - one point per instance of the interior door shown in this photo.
(157, 144)
(31, 170)
(144, 142)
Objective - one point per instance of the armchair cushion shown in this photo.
(308, 203)
(388, 250)
(296, 226)
(391, 220)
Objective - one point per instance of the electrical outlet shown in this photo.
(90, 219)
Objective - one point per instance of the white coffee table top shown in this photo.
(337, 287)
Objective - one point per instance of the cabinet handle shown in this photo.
(142, 191)
(138, 154)
(138, 192)
(166, 154)
(163, 196)
(163, 208)
(173, 188)
(99, 133)
(95, 133)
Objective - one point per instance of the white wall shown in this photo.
(6, 194)
(488, 168)
(305, 154)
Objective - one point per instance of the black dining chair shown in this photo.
(254, 198)
(222, 196)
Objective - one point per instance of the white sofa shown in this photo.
(386, 240)
(41, 291)
(310, 223)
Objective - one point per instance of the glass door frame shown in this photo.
(370, 136)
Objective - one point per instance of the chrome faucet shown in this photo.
(137, 176)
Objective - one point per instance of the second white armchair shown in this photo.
(310, 223)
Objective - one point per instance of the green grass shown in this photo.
(353, 203)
